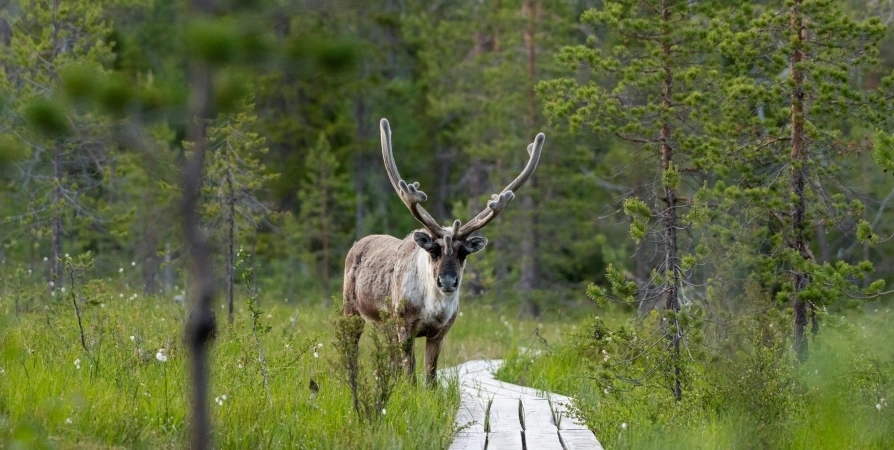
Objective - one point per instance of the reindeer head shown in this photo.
(448, 247)
(448, 256)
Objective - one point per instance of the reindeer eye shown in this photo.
(435, 251)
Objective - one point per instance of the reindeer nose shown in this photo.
(448, 283)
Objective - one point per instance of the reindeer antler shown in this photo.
(499, 201)
(408, 193)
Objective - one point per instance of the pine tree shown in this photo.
(647, 92)
(794, 106)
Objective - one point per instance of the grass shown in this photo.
(839, 398)
(120, 394)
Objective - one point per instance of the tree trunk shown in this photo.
(799, 175)
(56, 256)
(231, 236)
(532, 10)
(671, 299)
(201, 324)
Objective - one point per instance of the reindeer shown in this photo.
(417, 279)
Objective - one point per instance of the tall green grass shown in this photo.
(751, 398)
(121, 395)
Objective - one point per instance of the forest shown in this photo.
(699, 260)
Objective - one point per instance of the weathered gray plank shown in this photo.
(514, 388)
(478, 386)
(504, 440)
(504, 415)
(537, 414)
(579, 440)
(470, 416)
(469, 441)
(542, 439)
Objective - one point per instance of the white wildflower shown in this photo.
(878, 406)
(606, 391)
(66, 255)
(460, 313)
(624, 426)
(161, 356)
(53, 294)
(121, 270)
(78, 364)
(52, 284)
(45, 259)
(239, 365)
(133, 338)
(320, 345)
(316, 355)
(102, 305)
(383, 411)
(133, 264)
(120, 295)
(224, 396)
(68, 420)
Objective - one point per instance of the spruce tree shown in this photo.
(325, 202)
(235, 178)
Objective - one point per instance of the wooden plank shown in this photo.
(537, 414)
(521, 390)
(542, 439)
(470, 416)
(504, 415)
(504, 440)
(469, 441)
(579, 440)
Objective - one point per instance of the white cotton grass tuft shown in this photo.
(68, 421)
(121, 270)
(161, 355)
(133, 264)
(624, 426)
(77, 364)
(316, 355)
(384, 412)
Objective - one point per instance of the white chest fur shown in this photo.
(420, 289)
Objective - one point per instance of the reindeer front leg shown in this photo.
(406, 335)
(432, 351)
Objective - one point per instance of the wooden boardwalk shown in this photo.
(501, 416)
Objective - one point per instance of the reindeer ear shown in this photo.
(475, 244)
(423, 240)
